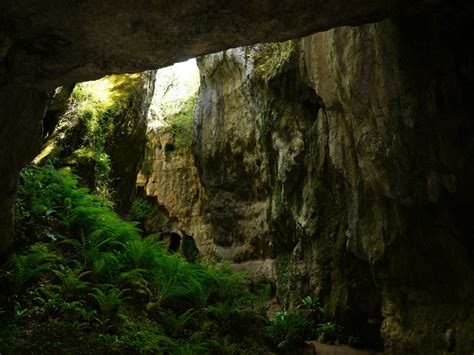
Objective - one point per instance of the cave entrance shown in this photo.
(189, 248)
(174, 242)
(184, 244)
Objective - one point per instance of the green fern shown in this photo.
(329, 332)
(311, 303)
(110, 300)
(28, 267)
(84, 279)
(176, 325)
(71, 283)
(289, 330)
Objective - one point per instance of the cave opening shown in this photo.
(174, 242)
(336, 167)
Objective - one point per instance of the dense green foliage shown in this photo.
(86, 281)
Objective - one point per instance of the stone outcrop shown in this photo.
(347, 158)
(101, 133)
(170, 176)
(57, 107)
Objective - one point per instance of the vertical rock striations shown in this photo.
(169, 174)
(347, 159)
(126, 146)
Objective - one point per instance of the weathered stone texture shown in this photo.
(126, 145)
(21, 112)
(51, 43)
(347, 158)
(171, 177)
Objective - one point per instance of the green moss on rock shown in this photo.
(101, 117)
(271, 58)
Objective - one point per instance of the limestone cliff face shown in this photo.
(232, 156)
(347, 158)
(399, 144)
(170, 176)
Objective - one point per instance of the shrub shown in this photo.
(289, 330)
(313, 307)
(182, 126)
(329, 332)
(354, 341)
(29, 267)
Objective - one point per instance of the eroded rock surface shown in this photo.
(170, 176)
(126, 144)
(21, 113)
(347, 158)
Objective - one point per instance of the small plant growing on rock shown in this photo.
(311, 303)
(354, 342)
(289, 330)
(329, 332)
(311, 306)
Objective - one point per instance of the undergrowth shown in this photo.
(85, 281)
